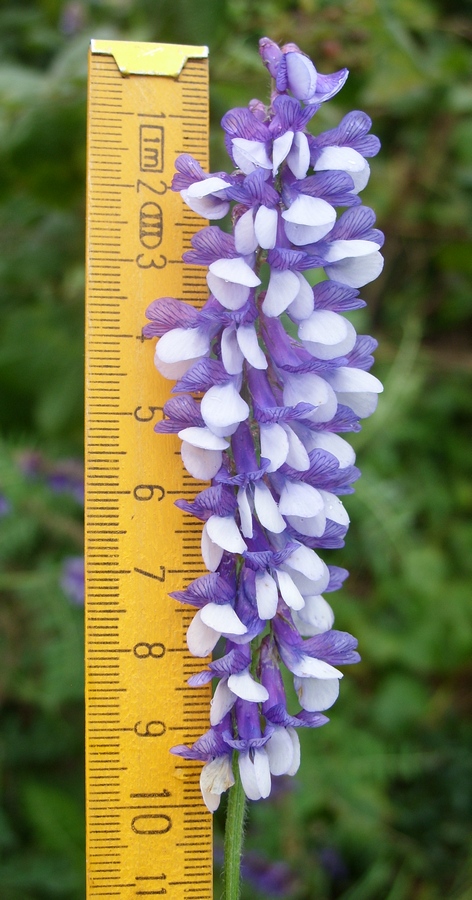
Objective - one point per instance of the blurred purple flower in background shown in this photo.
(5, 506)
(65, 476)
(72, 579)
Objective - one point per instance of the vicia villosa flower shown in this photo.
(280, 375)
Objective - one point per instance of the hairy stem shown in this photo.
(234, 837)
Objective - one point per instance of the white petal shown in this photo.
(211, 552)
(223, 700)
(316, 616)
(296, 751)
(222, 409)
(208, 207)
(222, 617)
(265, 226)
(289, 590)
(255, 774)
(200, 464)
(244, 686)
(315, 694)
(250, 155)
(306, 388)
(203, 437)
(313, 526)
(231, 355)
(303, 304)
(274, 445)
(262, 771)
(298, 159)
(207, 186)
(279, 749)
(281, 149)
(345, 159)
(216, 777)
(267, 509)
(222, 530)
(244, 234)
(267, 595)
(235, 270)
(302, 76)
(307, 562)
(324, 327)
(311, 388)
(362, 404)
(245, 512)
(182, 343)
(357, 271)
(282, 290)
(231, 296)
(297, 456)
(334, 508)
(307, 667)
(173, 371)
(201, 638)
(346, 250)
(333, 443)
(308, 219)
(300, 499)
(348, 380)
(249, 346)
(248, 777)
(308, 586)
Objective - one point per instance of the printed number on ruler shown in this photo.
(148, 831)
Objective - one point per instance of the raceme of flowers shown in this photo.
(269, 374)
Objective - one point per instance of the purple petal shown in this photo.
(181, 412)
(356, 224)
(208, 746)
(210, 244)
(168, 313)
(271, 55)
(360, 356)
(202, 376)
(327, 86)
(352, 131)
(334, 187)
(336, 647)
(211, 588)
(338, 576)
(215, 500)
(301, 76)
(278, 715)
(240, 122)
(337, 297)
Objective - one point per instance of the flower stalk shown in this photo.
(267, 380)
(234, 837)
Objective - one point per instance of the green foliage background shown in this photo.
(381, 809)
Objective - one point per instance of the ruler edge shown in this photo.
(198, 54)
(140, 57)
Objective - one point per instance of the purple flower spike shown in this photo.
(270, 374)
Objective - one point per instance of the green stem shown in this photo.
(234, 837)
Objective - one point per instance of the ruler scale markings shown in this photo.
(152, 118)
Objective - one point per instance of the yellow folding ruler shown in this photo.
(148, 831)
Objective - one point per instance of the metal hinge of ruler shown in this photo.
(148, 831)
